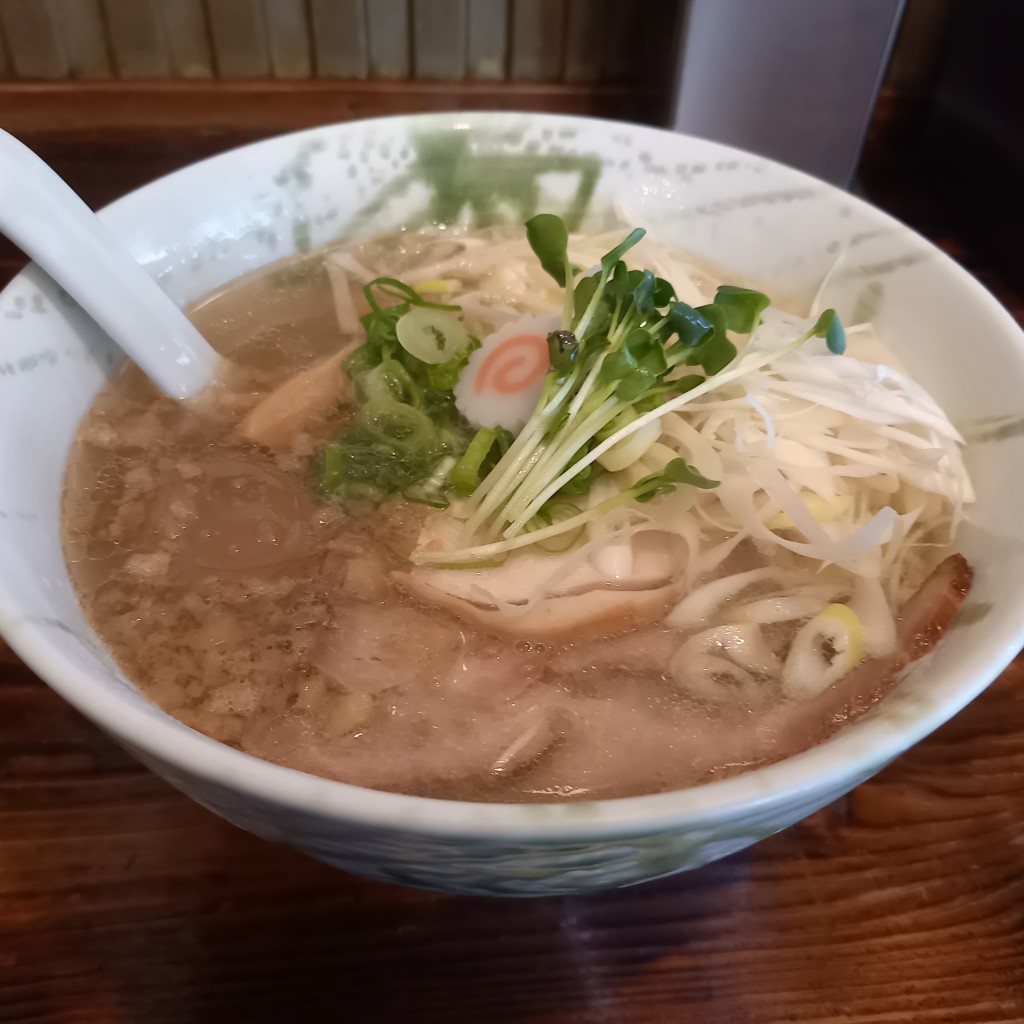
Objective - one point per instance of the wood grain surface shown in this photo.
(121, 901)
(88, 112)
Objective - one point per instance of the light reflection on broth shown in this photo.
(251, 609)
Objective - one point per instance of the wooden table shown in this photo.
(121, 901)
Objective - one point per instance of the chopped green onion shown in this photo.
(331, 468)
(432, 336)
(444, 376)
(399, 290)
(363, 465)
(432, 491)
(397, 422)
(391, 380)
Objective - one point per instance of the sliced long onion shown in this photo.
(716, 680)
(829, 647)
(631, 449)
(700, 605)
(725, 664)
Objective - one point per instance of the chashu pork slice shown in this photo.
(537, 596)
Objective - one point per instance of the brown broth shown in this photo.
(223, 584)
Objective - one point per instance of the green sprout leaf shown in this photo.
(610, 258)
(648, 292)
(643, 292)
(681, 472)
(664, 293)
(549, 239)
(702, 336)
(742, 307)
(677, 472)
(829, 327)
(620, 283)
(586, 289)
(690, 324)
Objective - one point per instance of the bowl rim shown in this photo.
(834, 766)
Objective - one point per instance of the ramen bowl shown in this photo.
(761, 222)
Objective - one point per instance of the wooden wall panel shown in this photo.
(577, 41)
(136, 36)
(439, 37)
(487, 39)
(81, 26)
(538, 29)
(288, 38)
(34, 45)
(238, 29)
(586, 32)
(188, 38)
(339, 38)
(387, 32)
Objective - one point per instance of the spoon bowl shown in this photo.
(45, 218)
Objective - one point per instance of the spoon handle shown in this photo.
(41, 214)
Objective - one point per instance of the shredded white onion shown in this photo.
(700, 605)
(341, 291)
(804, 604)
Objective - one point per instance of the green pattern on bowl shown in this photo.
(482, 177)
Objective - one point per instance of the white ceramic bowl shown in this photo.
(771, 225)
